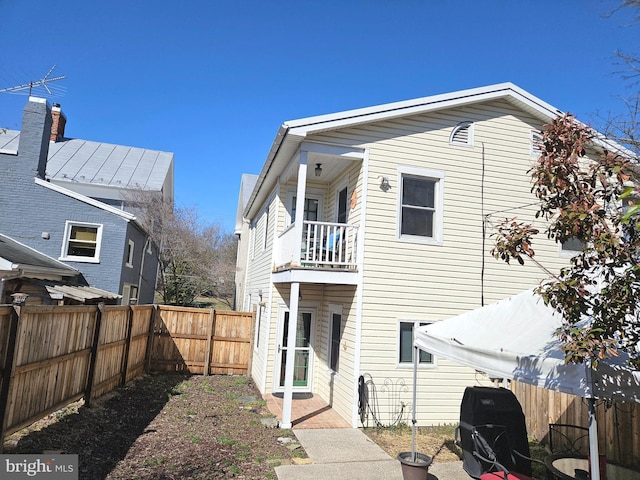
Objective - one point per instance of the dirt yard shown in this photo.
(166, 426)
(436, 442)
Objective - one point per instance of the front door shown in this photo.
(303, 351)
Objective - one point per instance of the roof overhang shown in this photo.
(83, 198)
(292, 133)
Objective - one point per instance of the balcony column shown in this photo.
(291, 354)
(300, 196)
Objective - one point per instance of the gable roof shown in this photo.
(19, 258)
(291, 133)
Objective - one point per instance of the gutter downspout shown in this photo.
(144, 253)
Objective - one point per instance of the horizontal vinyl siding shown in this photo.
(407, 281)
(337, 389)
(259, 278)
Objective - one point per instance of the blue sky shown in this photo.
(212, 81)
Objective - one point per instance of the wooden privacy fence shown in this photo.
(51, 356)
(618, 424)
(202, 341)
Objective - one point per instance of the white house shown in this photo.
(398, 203)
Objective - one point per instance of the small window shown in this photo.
(335, 337)
(536, 143)
(462, 134)
(421, 205)
(130, 249)
(82, 242)
(405, 349)
(266, 228)
(573, 244)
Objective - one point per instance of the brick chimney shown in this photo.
(59, 122)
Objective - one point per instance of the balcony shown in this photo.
(323, 246)
(328, 245)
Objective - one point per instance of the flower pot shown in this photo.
(414, 468)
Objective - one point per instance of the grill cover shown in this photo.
(497, 406)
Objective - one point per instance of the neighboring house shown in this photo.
(247, 185)
(367, 223)
(43, 279)
(67, 199)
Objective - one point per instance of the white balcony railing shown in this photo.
(328, 245)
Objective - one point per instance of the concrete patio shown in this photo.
(349, 453)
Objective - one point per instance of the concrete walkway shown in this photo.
(348, 453)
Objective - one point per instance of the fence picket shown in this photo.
(51, 356)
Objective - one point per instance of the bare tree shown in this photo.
(196, 258)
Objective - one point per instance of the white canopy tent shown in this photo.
(515, 339)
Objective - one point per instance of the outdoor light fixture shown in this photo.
(318, 169)
(19, 298)
(384, 184)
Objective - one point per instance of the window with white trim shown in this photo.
(420, 210)
(405, 343)
(130, 249)
(81, 242)
(335, 337)
(462, 134)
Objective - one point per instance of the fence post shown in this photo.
(212, 328)
(7, 371)
(152, 323)
(127, 347)
(94, 355)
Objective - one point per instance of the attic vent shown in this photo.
(462, 134)
(536, 143)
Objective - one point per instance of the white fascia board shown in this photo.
(82, 198)
(316, 276)
(333, 150)
(7, 266)
(306, 126)
(266, 169)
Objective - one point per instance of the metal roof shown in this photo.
(96, 163)
(28, 259)
(9, 141)
(108, 164)
(80, 293)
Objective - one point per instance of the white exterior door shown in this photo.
(304, 353)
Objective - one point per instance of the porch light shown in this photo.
(19, 298)
(318, 169)
(384, 184)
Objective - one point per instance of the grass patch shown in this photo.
(154, 461)
(208, 388)
(179, 389)
(226, 441)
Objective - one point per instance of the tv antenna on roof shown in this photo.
(42, 83)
